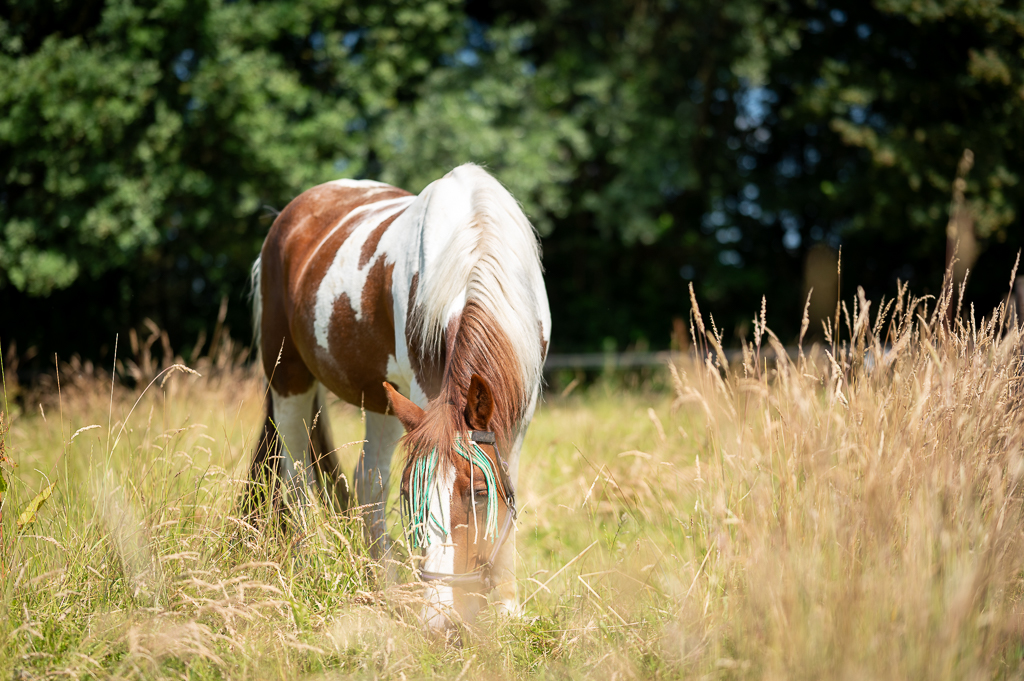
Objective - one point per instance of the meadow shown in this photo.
(853, 511)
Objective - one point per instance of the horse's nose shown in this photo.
(438, 606)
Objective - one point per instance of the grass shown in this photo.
(855, 512)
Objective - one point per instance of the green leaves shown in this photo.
(142, 144)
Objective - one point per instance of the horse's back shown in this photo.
(314, 223)
(325, 297)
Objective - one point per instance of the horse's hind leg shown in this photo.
(294, 423)
(295, 448)
(333, 483)
(293, 388)
(263, 470)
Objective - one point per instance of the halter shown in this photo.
(423, 474)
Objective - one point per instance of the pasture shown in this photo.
(854, 512)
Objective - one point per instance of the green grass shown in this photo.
(855, 513)
(135, 566)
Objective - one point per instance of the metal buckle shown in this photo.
(482, 436)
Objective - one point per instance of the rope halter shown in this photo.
(421, 481)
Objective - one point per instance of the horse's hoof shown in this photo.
(510, 609)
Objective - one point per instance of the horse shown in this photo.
(430, 313)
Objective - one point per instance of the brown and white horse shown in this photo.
(429, 312)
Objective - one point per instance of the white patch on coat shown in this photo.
(456, 308)
(440, 553)
(345, 276)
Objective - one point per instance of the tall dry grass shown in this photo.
(861, 508)
(854, 511)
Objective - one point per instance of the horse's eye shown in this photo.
(481, 493)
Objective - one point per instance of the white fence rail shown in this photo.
(611, 361)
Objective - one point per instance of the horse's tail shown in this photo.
(256, 293)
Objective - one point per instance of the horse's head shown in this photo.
(458, 497)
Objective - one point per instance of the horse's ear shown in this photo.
(479, 404)
(405, 409)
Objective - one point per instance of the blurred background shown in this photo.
(145, 148)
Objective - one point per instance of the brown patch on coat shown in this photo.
(373, 240)
(282, 363)
(368, 344)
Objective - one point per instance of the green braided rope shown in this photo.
(421, 479)
(477, 457)
(424, 471)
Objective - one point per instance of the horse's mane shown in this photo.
(481, 348)
(494, 262)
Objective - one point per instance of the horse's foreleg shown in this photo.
(504, 574)
(372, 476)
(506, 588)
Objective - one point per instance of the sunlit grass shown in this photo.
(136, 565)
(853, 513)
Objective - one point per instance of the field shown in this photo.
(854, 512)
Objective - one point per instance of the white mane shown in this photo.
(491, 256)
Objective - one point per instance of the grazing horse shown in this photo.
(430, 313)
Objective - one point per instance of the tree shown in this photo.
(141, 141)
(868, 118)
(144, 146)
(652, 90)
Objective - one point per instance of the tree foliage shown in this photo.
(873, 110)
(145, 145)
